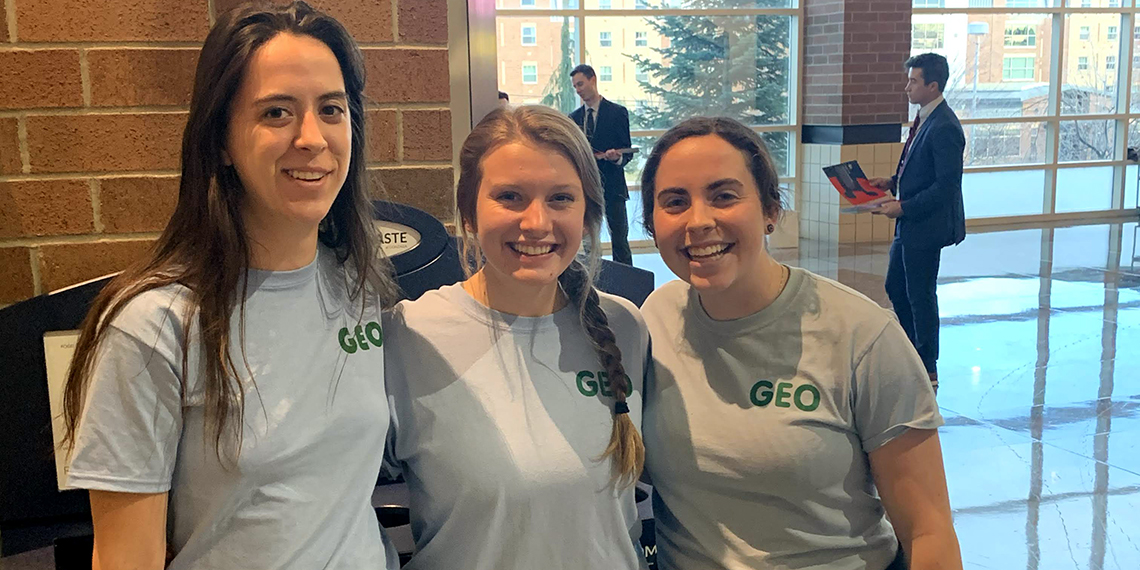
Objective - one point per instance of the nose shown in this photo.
(700, 217)
(309, 136)
(535, 218)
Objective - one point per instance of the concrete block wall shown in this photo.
(820, 216)
(93, 100)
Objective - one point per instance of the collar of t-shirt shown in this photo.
(762, 318)
(928, 108)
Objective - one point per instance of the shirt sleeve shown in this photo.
(892, 391)
(131, 423)
(391, 468)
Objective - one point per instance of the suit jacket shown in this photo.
(930, 185)
(611, 131)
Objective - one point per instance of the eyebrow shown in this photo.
(281, 97)
(722, 183)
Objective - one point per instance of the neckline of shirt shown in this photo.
(757, 320)
(927, 109)
(268, 279)
(499, 319)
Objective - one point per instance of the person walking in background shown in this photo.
(606, 125)
(929, 213)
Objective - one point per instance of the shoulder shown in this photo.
(669, 298)
(435, 307)
(846, 311)
(577, 112)
(150, 314)
(620, 310)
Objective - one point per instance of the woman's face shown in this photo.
(290, 135)
(529, 214)
(707, 216)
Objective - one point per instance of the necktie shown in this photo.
(589, 123)
(906, 147)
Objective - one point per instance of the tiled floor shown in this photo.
(1039, 385)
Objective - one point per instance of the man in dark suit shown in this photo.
(928, 213)
(606, 125)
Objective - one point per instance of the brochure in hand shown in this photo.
(849, 180)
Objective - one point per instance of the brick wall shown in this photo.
(93, 100)
(854, 52)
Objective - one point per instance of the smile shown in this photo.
(706, 252)
(537, 249)
(307, 175)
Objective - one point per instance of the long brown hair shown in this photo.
(204, 246)
(549, 129)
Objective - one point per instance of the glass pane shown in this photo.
(1131, 180)
(778, 145)
(635, 166)
(538, 73)
(1132, 174)
(1005, 143)
(741, 69)
(683, 4)
(1087, 140)
(538, 4)
(989, 194)
(1089, 76)
(1084, 189)
(1097, 3)
(999, 64)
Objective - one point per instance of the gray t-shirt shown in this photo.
(757, 430)
(497, 425)
(313, 434)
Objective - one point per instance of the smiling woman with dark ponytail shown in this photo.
(516, 395)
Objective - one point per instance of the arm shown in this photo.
(949, 146)
(130, 530)
(623, 137)
(911, 481)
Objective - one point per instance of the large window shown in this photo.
(1017, 68)
(1020, 35)
(928, 37)
(643, 54)
(1047, 126)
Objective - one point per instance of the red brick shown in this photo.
(429, 189)
(423, 21)
(62, 265)
(366, 20)
(137, 203)
(133, 77)
(16, 281)
(120, 20)
(407, 75)
(427, 135)
(45, 208)
(116, 142)
(382, 136)
(40, 78)
(10, 161)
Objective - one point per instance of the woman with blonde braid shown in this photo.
(514, 411)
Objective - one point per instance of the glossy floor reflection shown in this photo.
(1039, 385)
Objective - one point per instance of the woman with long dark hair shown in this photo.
(787, 416)
(516, 394)
(225, 406)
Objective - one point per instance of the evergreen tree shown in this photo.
(559, 92)
(735, 66)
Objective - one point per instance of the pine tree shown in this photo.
(559, 92)
(735, 66)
